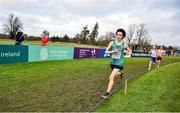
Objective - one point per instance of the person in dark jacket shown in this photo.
(19, 38)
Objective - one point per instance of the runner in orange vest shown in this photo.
(44, 38)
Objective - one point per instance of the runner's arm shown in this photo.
(129, 51)
(107, 49)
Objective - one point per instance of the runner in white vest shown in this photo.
(153, 56)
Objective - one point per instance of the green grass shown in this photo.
(26, 42)
(69, 85)
(156, 91)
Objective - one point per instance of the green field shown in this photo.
(156, 91)
(69, 85)
(26, 42)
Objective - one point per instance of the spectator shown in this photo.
(19, 38)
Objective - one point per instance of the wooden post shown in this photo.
(125, 86)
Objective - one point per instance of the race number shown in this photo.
(116, 55)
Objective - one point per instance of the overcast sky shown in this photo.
(69, 16)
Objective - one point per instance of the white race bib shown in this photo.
(116, 55)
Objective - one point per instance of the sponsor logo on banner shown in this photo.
(140, 54)
(13, 54)
(86, 53)
(40, 53)
(44, 54)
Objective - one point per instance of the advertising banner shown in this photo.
(13, 54)
(41, 53)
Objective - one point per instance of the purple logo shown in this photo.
(86, 53)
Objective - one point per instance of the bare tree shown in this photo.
(142, 32)
(146, 40)
(77, 38)
(130, 32)
(13, 25)
(104, 40)
(110, 36)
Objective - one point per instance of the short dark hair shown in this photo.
(122, 31)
